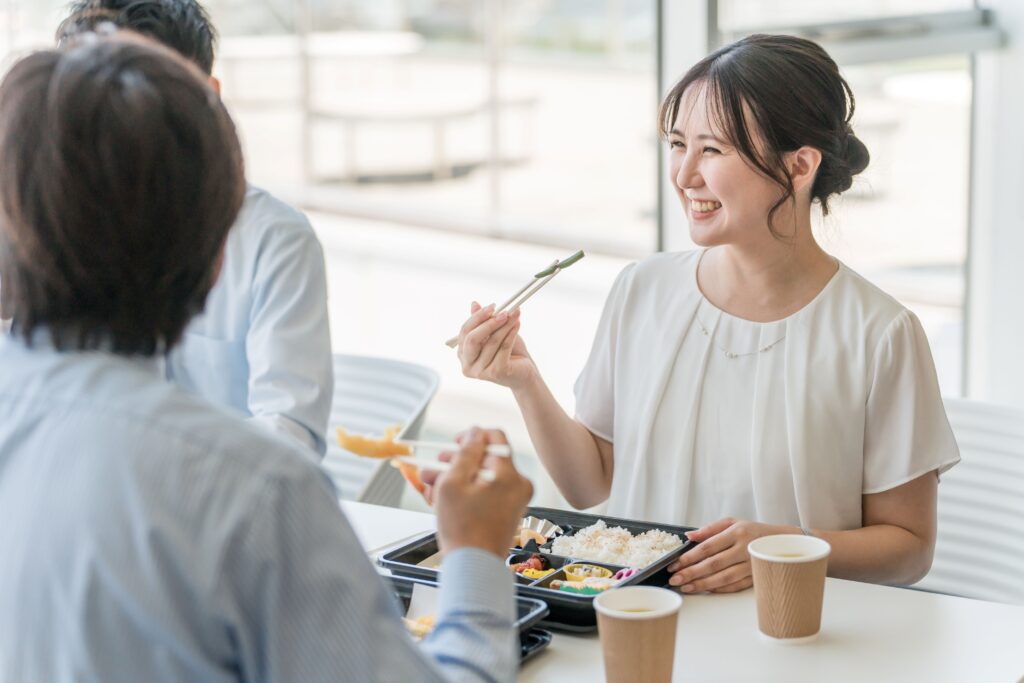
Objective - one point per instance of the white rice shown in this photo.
(615, 545)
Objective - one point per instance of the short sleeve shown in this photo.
(595, 387)
(906, 432)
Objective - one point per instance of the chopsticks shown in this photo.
(528, 285)
(496, 449)
(438, 466)
(530, 288)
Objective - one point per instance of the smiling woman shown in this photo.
(740, 101)
(757, 385)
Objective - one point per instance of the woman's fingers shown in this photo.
(477, 317)
(708, 566)
(707, 531)
(718, 580)
(494, 344)
(504, 355)
(712, 546)
(471, 344)
(741, 585)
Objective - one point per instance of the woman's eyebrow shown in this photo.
(702, 136)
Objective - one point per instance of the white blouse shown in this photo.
(787, 422)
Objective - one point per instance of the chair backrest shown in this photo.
(371, 394)
(979, 550)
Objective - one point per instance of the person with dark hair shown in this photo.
(263, 344)
(756, 385)
(182, 25)
(148, 535)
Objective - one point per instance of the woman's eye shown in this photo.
(676, 144)
(713, 150)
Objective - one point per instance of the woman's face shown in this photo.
(726, 200)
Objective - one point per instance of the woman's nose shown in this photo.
(687, 175)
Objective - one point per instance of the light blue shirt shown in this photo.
(263, 345)
(147, 536)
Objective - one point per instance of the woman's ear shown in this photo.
(803, 165)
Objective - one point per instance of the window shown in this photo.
(28, 25)
(529, 121)
(535, 123)
(903, 224)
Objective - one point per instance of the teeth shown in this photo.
(704, 207)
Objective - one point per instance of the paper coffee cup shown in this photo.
(637, 626)
(789, 583)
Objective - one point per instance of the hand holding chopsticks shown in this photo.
(530, 288)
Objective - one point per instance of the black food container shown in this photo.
(529, 611)
(568, 611)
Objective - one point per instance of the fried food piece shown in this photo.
(419, 628)
(383, 448)
(412, 475)
(374, 448)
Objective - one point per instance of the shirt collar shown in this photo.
(42, 343)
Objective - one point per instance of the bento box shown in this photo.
(567, 581)
(529, 611)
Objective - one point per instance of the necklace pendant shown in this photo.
(730, 354)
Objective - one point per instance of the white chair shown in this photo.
(371, 394)
(979, 551)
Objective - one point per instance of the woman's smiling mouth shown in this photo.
(702, 208)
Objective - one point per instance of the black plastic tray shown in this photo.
(568, 611)
(529, 612)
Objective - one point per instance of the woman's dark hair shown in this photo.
(792, 92)
(182, 25)
(120, 175)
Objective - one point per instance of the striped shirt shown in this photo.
(146, 536)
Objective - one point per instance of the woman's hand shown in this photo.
(490, 348)
(720, 564)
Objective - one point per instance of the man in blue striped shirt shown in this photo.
(146, 535)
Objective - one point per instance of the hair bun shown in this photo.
(855, 153)
(849, 156)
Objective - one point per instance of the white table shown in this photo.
(379, 528)
(869, 633)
